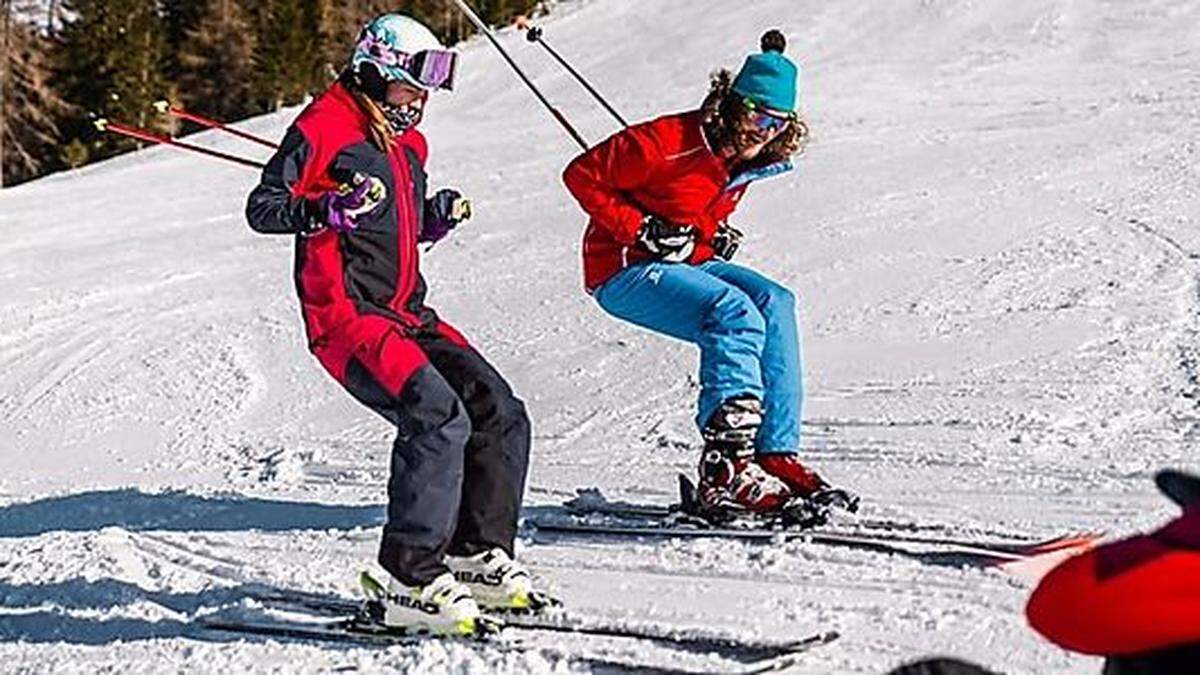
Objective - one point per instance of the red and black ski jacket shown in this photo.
(356, 289)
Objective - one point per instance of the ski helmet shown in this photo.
(398, 48)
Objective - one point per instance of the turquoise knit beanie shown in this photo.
(769, 78)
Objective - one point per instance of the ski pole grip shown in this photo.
(534, 34)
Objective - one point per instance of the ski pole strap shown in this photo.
(487, 32)
(165, 108)
(105, 125)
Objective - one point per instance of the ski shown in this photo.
(590, 502)
(1001, 551)
(658, 520)
(953, 555)
(766, 665)
(735, 649)
(344, 630)
(351, 632)
(522, 625)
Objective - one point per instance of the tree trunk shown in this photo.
(52, 17)
(5, 11)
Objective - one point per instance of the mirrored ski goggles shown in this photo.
(429, 69)
(434, 69)
(765, 119)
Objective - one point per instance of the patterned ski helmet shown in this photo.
(389, 44)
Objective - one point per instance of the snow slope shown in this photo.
(992, 234)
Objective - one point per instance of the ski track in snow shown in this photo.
(992, 236)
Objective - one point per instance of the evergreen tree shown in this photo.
(181, 18)
(27, 102)
(288, 63)
(503, 12)
(111, 62)
(5, 42)
(340, 25)
(217, 62)
(228, 57)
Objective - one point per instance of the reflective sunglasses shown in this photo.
(767, 120)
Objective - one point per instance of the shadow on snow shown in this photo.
(43, 625)
(177, 511)
(45, 613)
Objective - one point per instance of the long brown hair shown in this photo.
(381, 133)
(720, 112)
(378, 129)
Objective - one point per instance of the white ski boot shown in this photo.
(499, 583)
(442, 607)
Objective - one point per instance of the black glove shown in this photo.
(443, 212)
(667, 241)
(726, 241)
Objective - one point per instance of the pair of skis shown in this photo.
(357, 622)
(350, 621)
(590, 514)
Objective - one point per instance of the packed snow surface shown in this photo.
(992, 235)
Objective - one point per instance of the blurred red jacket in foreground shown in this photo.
(1131, 597)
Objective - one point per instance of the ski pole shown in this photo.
(534, 34)
(103, 125)
(165, 108)
(483, 28)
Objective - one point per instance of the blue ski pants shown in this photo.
(744, 325)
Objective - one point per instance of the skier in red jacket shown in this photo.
(1135, 601)
(349, 182)
(656, 253)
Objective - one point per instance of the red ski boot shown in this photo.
(804, 482)
(731, 482)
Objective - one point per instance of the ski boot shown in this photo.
(731, 482)
(442, 607)
(806, 484)
(499, 583)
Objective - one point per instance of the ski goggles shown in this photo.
(765, 119)
(434, 69)
(428, 69)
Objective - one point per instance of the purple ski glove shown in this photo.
(443, 212)
(341, 208)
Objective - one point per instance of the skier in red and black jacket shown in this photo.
(349, 183)
(1135, 601)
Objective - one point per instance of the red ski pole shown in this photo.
(165, 108)
(103, 124)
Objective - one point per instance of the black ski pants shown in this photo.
(458, 463)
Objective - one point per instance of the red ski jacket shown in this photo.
(662, 167)
(361, 292)
(1134, 596)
